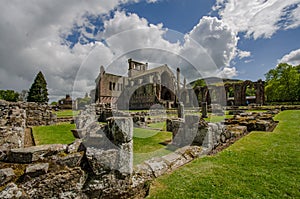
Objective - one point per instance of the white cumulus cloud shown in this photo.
(31, 40)
(260, 18)
(243, 54)
(292, 58)
(219, 40)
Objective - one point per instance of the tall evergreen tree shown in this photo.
(38, 91)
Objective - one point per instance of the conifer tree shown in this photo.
(38, 91)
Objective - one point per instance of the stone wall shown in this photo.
(38, 114)
(193, 130)
(16, 116)
(12, 125)
(98, 165)
(253, 121)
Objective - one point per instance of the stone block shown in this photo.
(102, 161)
(76, 146)
(236, 131)
(158, 166)
(65, 183)
(6, 175)
(125, 160)
(143, 170)
(71, 160)
(34, 170)
(121, 129)
(34, 153)
(175, 160)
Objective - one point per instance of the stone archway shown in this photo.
(245, 85)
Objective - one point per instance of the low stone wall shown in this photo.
(253, 121)
(12, 125)
(193, 130)
(16, 116)
(38, 114)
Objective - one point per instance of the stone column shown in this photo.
(237, 94)
(204, 109)
(121, 129)
(110, 150)
(180, 110)
(178, 83)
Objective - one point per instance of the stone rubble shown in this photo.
(99, 163)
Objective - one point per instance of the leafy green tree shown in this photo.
(38, 91)
(283, 83)
(199, 82)
(54, 103)
(9, 95)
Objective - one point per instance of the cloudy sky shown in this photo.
(68, 40)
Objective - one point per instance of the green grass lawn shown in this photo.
(54, 134)
(216, 118)
(148, 143)
(260, 165)
(66, 113)
(256, 111)
(158, 125)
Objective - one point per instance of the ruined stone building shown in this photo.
(142, 88)
(219, 94)
(66, 103)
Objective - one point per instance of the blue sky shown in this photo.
(182, 16)
(68, 40)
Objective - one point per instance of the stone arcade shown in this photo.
(219, 94)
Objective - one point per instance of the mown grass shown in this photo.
(216, 118)
(260, 165)
(54, 134)
(256, 111)
(149, 143)
(66, 113)
(158, 125)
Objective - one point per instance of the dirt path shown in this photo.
(28, 139)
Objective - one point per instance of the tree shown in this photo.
(38, 91)
(199, 82)
(283, 83)
(9, 95)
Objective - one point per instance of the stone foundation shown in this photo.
(99, 164)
